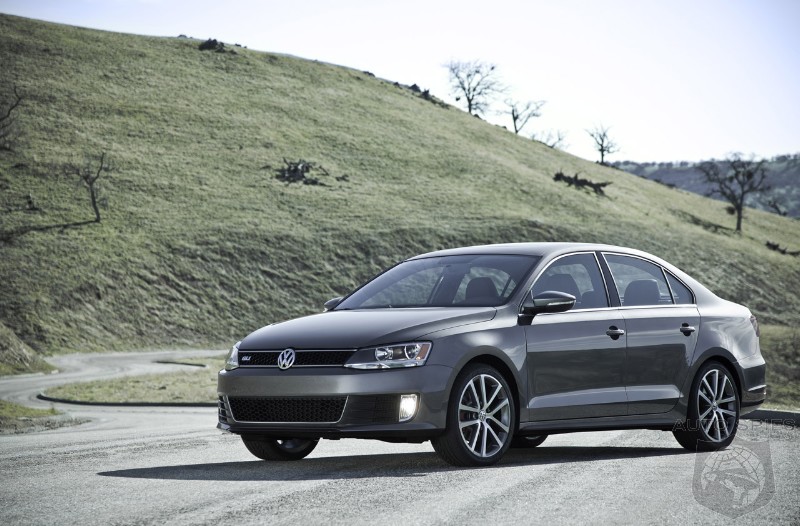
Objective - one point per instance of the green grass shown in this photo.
(781, 349)
(12, 411)
(15, 418)
(189, 386)
(16, 357)
(200, 244)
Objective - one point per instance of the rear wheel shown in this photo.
(480, 418)
(713, 414)
(280, 449)
(527, 442)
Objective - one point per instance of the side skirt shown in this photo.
(661, 422)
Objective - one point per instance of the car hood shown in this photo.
(351, 329)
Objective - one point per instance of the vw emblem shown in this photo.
(286, 359)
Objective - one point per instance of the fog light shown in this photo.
(408, 407)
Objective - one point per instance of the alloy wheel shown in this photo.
(716, 405)
(484, 415)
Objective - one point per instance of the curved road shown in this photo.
(171, 466)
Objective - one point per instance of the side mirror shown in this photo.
(547, 301)
(331, 303)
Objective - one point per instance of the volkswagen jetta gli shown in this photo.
(484, 348)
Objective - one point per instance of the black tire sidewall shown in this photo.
(527, 442)
(270, 449)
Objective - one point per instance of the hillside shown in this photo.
(200, 243)
(783, 178)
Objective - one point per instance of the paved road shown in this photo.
(170, 466)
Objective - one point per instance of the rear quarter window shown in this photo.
(681, 294)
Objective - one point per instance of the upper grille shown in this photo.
(302, 358)
(305, 409)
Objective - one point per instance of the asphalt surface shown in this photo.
(171, 466)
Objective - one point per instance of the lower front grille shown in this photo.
(222, 413)
(284, 409)
(372, 409)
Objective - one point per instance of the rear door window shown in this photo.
(639, 282)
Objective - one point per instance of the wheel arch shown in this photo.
(718, 354)
(508, 374)
(725, 358)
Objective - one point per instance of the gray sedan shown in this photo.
(483, 348)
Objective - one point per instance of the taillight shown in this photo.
(754, 322)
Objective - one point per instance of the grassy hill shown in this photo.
(200, 243)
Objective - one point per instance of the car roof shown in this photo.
(532, 249)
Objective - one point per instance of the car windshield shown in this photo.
(446, 281)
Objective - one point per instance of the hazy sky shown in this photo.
(674, 80)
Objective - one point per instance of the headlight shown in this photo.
(391, 356)
(233, 358)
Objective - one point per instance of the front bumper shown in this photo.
(366, 397)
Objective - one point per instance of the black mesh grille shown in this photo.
(322, 357)
(307, 409)
(307, 358)
(376, 409)
(258, 358)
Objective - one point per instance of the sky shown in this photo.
(672, 80)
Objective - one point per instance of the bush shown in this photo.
(212, 44)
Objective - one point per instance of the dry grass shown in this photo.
(9, 410)
(781, 349)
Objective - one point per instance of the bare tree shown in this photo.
(603, 142)
(740, 178)
(8, 122)
(776, 207)
(522, 112)
(552, 138)
(477, 82)
(89, 174)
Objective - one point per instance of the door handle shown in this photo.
(687, 329)
(615, 332)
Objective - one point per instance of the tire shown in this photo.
(713, 413)
(284, 449)
(480, 418)
(527, 442)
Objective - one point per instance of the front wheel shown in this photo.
(480, 418)
(713, 414)
(283, 449)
